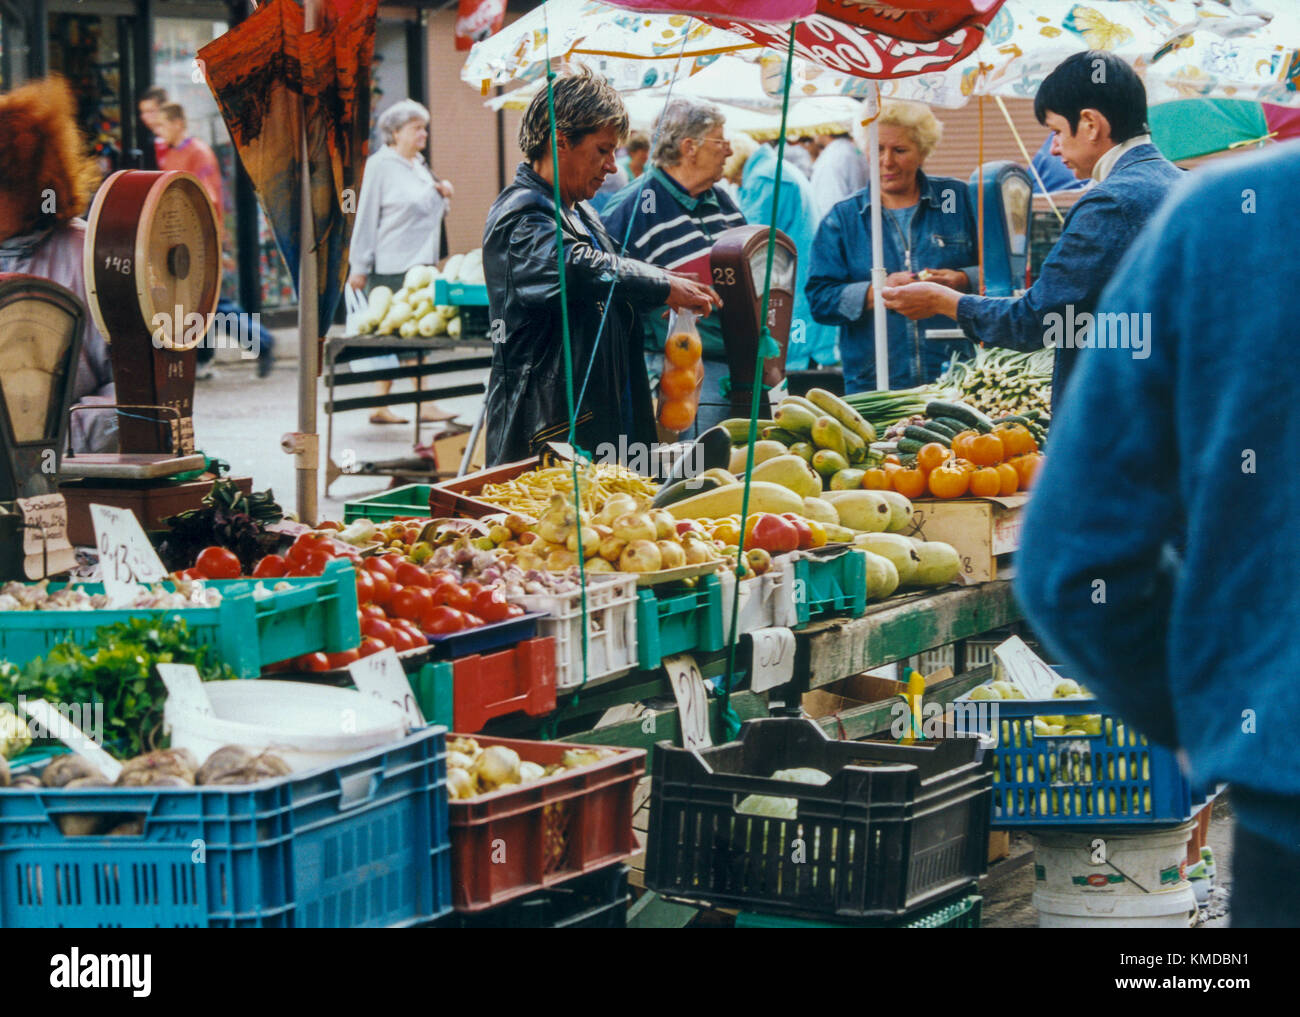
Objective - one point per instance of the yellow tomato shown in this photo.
(818, 533)
(727, 531)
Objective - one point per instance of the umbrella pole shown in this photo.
(308, 441)
(879, 325)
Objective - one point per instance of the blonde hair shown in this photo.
(742, 147)
(913, 117)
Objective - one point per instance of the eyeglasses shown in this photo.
(715, 141)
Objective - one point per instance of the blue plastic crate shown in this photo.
(668, 623)
(318, 613)
(363, 843)
(834, 585)
(487, 638)
(1114, 779)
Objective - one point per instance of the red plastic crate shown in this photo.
(455, 499)
(491, 685)
(511, 843)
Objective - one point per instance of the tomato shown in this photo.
(270, 567)
(343, 658)
(369, 646)
(985, 450)
(932, 456)
(875, 480)
(381, 566)
(408, 603)
(193, 575)
(371, 611)
(410, 574)
(908, 483)
(277, 667)
(312, 662)
(377, 629)
(402, 640)
(365, 586)
(314, 561)
(683, 349)
(218, 563)
(949, 482)
(491, 606)
(515, 611)
(772, 533)
(1008, 479)
(329, 524)
(986, 482)
(383, 594)
(474, 588)
(394, 558)
(801, 527)
(444, 620)
(472, 621)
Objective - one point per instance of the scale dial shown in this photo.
(36, 335)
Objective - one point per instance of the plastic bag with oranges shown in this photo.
(682, 378)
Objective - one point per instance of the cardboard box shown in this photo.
(859, 690)
(999, 844)
(980, 529)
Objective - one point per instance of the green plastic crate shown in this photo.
(678, 623)
(830, 586)
(319, 613)
(959, 914)
(409, 500)
(433, 686)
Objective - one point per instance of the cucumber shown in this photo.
(907, 460)
(785, 437)
(738, 429)
(909, 445)
(1012, 418)
(955, 426)
(968, 415)
(938, 428)
(923, 435)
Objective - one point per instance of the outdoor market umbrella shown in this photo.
(1193, 127)
(294, 95)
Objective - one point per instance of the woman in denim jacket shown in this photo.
(929, 228)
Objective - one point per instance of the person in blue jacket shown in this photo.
(1096, 106)
(755, 171)
(929, 224)
(1170, 585)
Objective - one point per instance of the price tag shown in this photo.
(1025, 670)
(46, 548)
(692, 700)
(125, 555)
(72, 736)
(777, 393)
(185, 688)
(379, 363)
(382, 676)
(773, 658)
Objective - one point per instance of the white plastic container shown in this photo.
(1172, 909)
(306, 725)
(611, 628)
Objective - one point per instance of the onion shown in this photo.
(497, 765)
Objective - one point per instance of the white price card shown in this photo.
(382, 676)
(185, 688)
(692, 700)
(58, 726)
(1025, 670)
(46, 550)
(125, 555)
(773, 663)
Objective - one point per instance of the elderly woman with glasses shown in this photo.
(399, 217)
(676, 212)
(527, 402)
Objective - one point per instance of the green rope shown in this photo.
(727, 715)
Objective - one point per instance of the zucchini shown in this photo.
(786, 438)
(968, 415)
(683, 489)
(954, 425)
(909, 445)
(924, 434)
(738, 429)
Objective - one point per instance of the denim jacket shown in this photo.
(943, 235)
(1098, 230)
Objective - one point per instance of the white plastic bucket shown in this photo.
(306, 725)
(1172, 909)
(1107, 860)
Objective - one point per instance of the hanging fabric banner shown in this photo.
(477, 20)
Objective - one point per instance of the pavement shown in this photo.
(240, 418)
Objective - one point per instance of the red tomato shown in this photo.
(270, 567)
(218, 563)
(377, 629)
(278, 666)
(313, 662)
(443, 620)
(441, 576)
(310, 541)
(474, 588)
(343, 658)
(369, 646)
(407, 604)
(383, 589)
(370, 611)
(365, 586)
(314, 562)
(491, 605)
(410, 574)
(193, 574)
(452, 595)
(394, 558)
(801, 527)
(773, 534)
(381, 565)
(472, 621)
(403, 640)
(329, 524)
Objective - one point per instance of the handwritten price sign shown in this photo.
(692, 700)
(125, 555)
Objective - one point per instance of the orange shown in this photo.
(876, 480)
(683, 349)
(908, 483)
(985, 482)
(948, 482)
(932, 456)
(1009, 479)
(985, 450)
(676, 416)
(1016, 439)
(677, 383)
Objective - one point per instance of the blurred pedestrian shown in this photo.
(840, 170)
(637, 154)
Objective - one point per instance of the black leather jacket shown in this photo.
(526, 402)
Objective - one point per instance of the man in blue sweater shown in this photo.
(1097, 107)
(1167, 578)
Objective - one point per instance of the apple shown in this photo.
(687, 526)
(758, 560)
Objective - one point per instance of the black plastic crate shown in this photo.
(896, 828)
(598, 900)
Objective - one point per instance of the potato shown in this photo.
(63, 770)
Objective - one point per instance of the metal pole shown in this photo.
(308, 450)
(877, 249)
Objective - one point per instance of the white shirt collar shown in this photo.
(1107, 162)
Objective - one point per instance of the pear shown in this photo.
(985, 692)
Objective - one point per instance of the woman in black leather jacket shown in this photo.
(526, 402)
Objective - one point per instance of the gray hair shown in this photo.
(397, 116)
(682, 119)
(584, 104)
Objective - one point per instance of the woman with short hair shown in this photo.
(527, 402)
(929, 228)
(399, 218)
